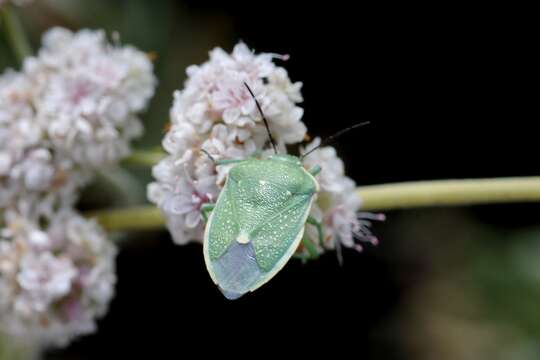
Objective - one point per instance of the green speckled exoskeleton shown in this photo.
(258, 221)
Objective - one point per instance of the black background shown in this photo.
(451, 92)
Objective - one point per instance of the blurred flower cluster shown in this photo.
(55, 279)
(70, 111)
(215, 112)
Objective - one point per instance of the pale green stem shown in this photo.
(144, 158)
(15, 33)
(374, 197)
(449, 193)
(129, 219)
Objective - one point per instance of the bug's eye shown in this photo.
(265, 80)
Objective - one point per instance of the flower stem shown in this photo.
(449, 193)
(374, 197)
(129, 219)
(15, 33)
(144, 158)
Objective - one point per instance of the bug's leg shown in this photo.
(311, 220)
(315, 170)
(227, 161)
(222, 161)
(256, 154)
(205, 209)
(303, 257)
(312, 251)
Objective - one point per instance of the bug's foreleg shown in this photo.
(312, 251)
(205, 209)
(222, 161)
(315, 170)
(311, 220)
(256, 154)
(302, 257)
(227, 161)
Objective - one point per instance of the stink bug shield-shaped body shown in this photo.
(257, 222)
(259, 218)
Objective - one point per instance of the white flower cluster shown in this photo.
(89, 93)
(54, 279)
(30, 168)
(216, 112)
(70, 111)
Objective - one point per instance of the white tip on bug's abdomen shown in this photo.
(242, 238)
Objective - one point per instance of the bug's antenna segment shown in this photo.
(264, 118)
(333, 137)
(209, 156)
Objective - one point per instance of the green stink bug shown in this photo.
(258, 220)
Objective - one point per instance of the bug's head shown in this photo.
(293, 160)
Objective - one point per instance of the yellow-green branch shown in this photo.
(450, 193)
(374, 198)
(144, 158)
(129, 219)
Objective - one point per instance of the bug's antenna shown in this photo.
(209, 156)
(333, 137)
(264, 118)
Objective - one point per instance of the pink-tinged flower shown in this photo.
(30, 167)
(88, 94)
(181, 200)
(233, 102)
(55, 279)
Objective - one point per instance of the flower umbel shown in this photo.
(55, 280)
(216, 112)
(30, 167)
(89, 94)
(70, 111)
